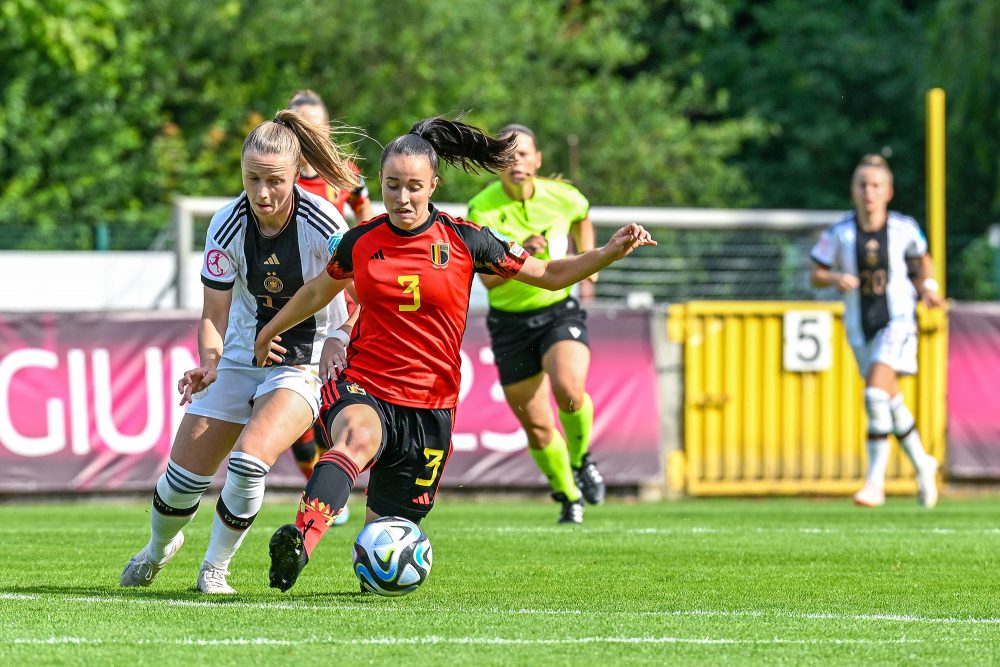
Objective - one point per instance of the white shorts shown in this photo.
(230, 398)
(895, 345)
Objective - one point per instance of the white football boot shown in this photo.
(927, 491)
(869, 497)
(142, 569)
(343, 517)
(212, 580)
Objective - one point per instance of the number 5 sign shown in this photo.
(807, 345)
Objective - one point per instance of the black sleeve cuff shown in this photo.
(215, 284)
(812, 257)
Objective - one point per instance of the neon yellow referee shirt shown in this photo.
(551, 211)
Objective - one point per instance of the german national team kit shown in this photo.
(264, 272)
(403, 360)
(879, 316)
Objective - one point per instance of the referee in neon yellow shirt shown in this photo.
(538, 335)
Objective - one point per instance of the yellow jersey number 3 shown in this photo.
(411, 286)
(434, 457)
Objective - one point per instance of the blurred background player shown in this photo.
(261, 248)
(878, 260)
(393, 409)
(312, 108)
(306, 449)
(540, 336)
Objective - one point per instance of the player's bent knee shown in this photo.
(879, 411)
(570, 401)
(539, 438)
(360, 442)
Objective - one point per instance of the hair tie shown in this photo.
(279, 121)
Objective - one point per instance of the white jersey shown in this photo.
(265, 272)
(879, 260)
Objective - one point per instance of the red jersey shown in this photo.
(414, 286)
(357, 197)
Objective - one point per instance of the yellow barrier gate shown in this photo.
(750, 426)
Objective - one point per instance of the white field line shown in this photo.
(423, 609)
(585, 530)
(423, 641)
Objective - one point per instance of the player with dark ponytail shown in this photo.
(393, 408)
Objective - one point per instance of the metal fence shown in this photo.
(702, 253)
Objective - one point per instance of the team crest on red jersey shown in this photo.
(440, 251)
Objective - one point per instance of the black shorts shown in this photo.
(416, 445)
(520, 340)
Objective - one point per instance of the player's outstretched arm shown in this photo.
(310, 298)
(560, 273)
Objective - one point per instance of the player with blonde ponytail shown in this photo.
(261, 247)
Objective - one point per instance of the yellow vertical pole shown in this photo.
(935, 180)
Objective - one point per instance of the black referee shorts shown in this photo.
(520, 340)
(416, 445)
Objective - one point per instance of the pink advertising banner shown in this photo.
(88, 403)
(973, 401)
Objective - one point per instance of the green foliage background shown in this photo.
(109, 108)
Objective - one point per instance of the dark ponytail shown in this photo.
(457, 143)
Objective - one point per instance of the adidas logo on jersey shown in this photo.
(378, 255)
(273, 259)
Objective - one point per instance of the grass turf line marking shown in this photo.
(674, 530)
(287, 606)
(470, 641)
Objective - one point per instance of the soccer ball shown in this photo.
(392, 556)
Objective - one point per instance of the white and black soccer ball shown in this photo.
(392, 556)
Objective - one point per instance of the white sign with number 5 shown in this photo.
(807, 341)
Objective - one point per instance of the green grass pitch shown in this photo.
(776, 581)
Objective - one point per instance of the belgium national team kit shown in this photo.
(413, 286)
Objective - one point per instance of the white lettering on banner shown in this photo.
(467, 376)
(500, 442)
(505, 442)
(79, 423)
(496, 392)
(464, 442)
(23, 445)
(106, 429)
(81, 416)
(497, 442)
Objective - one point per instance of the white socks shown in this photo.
(175, 501)
(889, 415)
(905, 429)
(241, 499)
(879, 427)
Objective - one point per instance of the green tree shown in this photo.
(965, 62)
(834, 81)
(110, 108)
